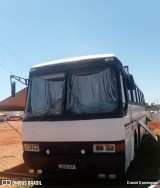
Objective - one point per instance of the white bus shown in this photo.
(82, 115)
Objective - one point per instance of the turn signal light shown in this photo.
(102, 148)
(109, 148)
(31, 147)
(120, 147)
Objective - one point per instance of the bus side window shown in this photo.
(143, 100)
(123, 92)
(140, 97)
(137, 91)
(129, 95)
(134, 96)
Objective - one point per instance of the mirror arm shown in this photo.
(13, 84)
(22, 80)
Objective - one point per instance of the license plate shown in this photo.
(67, 166)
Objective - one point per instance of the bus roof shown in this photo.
(74, 59)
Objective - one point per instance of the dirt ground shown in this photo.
(155, 127)
(10, 145)
(11, 149)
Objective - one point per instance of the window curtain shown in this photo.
(94, 93)
(46, 95)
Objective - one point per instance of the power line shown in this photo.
(15, 56)
(6, 69)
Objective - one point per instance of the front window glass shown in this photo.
(78, 93)
(46, 94)
(93, 93)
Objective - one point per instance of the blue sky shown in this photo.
(37, 31)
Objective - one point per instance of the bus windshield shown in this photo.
(83, 92)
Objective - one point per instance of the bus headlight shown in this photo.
(31, 147)
(101, 148)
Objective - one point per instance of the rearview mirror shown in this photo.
(13, 89)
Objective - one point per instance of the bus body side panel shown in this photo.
(128, 137)
(134, 114)
(138, 113)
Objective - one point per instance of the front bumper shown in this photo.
(89, 163)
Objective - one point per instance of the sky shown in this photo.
(38, 31)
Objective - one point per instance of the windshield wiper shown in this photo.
(51, 107)
(77, 102)
(61, 100)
